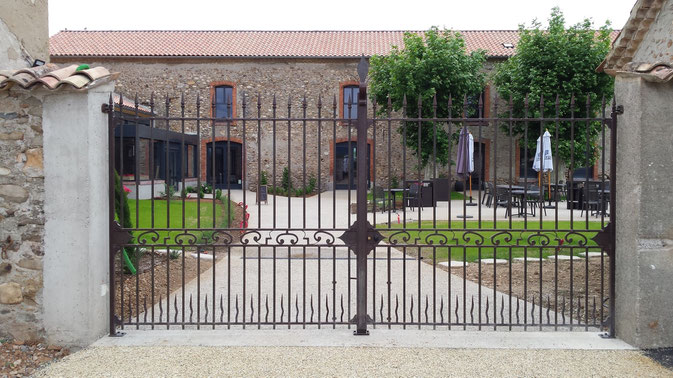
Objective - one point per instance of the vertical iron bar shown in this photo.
(319, 203)
(152, 174)
(111, 209)
(183, 157)
(168, 213)
(289, 210)
(244, 158)
(259, 210)
(362, 248)
(198, 210)
(613, 212)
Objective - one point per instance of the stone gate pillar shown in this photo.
(644, 245)
(76, 293)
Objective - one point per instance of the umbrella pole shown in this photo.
(549, 205)
(471, 203)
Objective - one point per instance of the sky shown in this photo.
(324, 15)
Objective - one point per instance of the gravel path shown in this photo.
(348, 361)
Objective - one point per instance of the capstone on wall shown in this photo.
(21, 215)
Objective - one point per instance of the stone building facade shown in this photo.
(290, 66)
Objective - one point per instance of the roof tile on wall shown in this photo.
(51, 77)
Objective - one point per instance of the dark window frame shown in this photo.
(343, 101)
(214, 86)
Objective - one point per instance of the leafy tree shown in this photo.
(558, 61)
(435, 64)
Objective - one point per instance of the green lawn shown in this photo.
(464, 245)
(223, 216)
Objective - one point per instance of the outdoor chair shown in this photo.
(534, 202)
(503, 198)
(488, 193)
(413, 196)
(592, 201)
(380, 199)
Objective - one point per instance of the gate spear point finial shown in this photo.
(363, 69)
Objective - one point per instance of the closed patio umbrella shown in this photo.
(543, 158)
(462, 163)
(465, 161)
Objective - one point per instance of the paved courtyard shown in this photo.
(312, 281)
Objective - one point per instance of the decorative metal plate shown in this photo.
(350, 238)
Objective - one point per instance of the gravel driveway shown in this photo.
(349, 361)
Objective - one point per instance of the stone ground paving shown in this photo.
(316, 282)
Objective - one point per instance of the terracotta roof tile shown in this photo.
(659, 72)
(50, 76)
(315, 44)
(625, 45)
(130, 105)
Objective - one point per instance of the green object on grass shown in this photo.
(121, 202)
(82, 67)
(129, 264)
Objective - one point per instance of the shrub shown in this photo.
(206, 188)
(121, 202)
(311, 184)
(218, 194)
(286, 181)
(169, 191)
(191, 189)
(394, 182)
(263, 180)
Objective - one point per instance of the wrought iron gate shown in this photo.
(485, 256)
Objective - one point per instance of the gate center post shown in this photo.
(361, 247)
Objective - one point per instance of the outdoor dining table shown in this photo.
(605, 198)
(512, 187)
(523, 203)
(393, 193)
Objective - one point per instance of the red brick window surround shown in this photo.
(204, 154)
(221, 94)
(348, 89)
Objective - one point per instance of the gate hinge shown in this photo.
(605, 239)
(619, 109)
(118, 236)
(105, 108)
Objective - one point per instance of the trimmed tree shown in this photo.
(435, 64)
(558, 61)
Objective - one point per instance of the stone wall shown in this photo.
(21, 214)
(290, 80)
(21, 42)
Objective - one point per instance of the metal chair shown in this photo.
(503, 198)
(413, 196)
(489, 188)
(592, 199)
